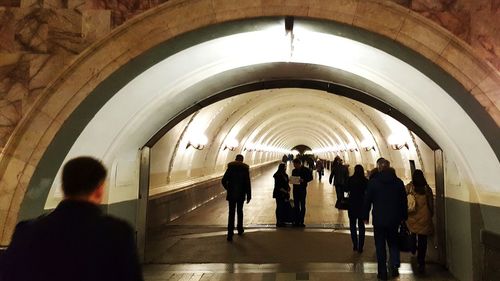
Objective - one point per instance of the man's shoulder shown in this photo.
(115, 224)
(27, 225)
(238, 164)
(399, 182)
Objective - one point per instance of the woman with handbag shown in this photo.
(281, 193)
(356, 186)
(420, 219)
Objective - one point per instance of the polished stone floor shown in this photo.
(193, 247)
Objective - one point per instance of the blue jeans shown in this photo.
(389, 235)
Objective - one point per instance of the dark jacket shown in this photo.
(339, 175)
(75, 242)
(386, 192)
(280, 184)
(356, 186)
(236, 181)
(305, 174)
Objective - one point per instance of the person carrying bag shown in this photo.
(420, 220)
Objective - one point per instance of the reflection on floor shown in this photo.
(194, 247)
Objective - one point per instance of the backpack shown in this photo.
(412, 201)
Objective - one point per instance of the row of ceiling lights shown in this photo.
(200, 141)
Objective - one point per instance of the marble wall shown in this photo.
(476, 22)
(39, 38)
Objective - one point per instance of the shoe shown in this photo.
(240, 231)
(302, 225)
(382, 276)
(354, 249)
(229, 238)
(394, 271)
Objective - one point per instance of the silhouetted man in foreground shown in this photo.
(76, 241)
(387, 194)
(236, 181)
(300, 191)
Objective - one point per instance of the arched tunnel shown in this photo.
(168, 119)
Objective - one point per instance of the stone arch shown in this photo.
(34, 135)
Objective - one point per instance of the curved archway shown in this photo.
(71, 97)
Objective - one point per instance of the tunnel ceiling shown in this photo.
(281, 119)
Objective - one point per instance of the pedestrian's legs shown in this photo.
(230, 221)
(379, 234)
(354, 233)
(296, 207)
(413, 239)
(279, 210)
(239, 210)
(320, 175)
(361, 242)
(392, 241)
(422, 249)
(303, 208)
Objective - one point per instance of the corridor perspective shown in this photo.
(166, 93)
(194, 246)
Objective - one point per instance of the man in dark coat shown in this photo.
(386, 192)
(76, 241)
(300, 191)
(339, 177)
(236, 181)
(374, 172)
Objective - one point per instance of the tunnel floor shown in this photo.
(194, 246)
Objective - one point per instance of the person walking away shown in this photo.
(76, 241)
(338, 177)
(320, 168)
(284, 159)
(386, 193)
(356, 186)
(375, 170)
(420, 220)
(300, 191)
(281, 193)
(236, 181)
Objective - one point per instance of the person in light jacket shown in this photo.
(420, 220)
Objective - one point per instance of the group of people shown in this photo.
(106, 250)
(236, 181)
(387, 197)
(383, 193)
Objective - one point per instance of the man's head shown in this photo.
(297, 163)
(239, 158)
(83, 178)
(379, 163)
(384, 165)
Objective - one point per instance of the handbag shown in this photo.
(404, 239)
(412, 202)
(342, 204)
